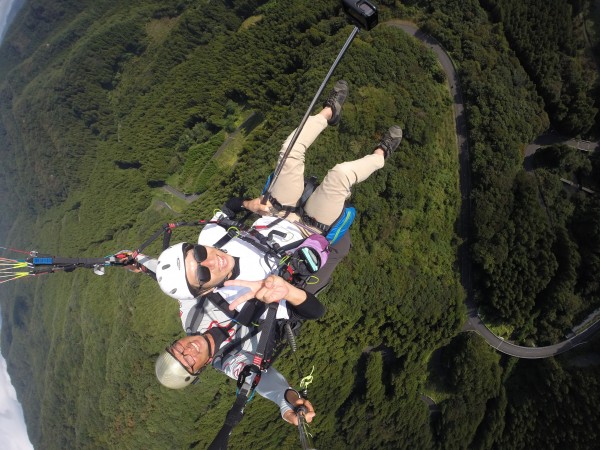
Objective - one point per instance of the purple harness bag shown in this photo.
(314, 251)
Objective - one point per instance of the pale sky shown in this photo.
(13, 433)
(5, 6)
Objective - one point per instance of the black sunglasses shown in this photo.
(200, 255)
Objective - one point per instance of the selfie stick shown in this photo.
(363, 14)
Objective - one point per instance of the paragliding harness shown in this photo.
(296, 262)
(333, 232)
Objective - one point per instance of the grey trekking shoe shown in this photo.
(336, 100)
(391, 140)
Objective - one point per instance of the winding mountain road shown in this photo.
(474, 322)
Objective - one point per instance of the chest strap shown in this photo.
(250, 312)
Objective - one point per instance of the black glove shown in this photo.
(233, 206)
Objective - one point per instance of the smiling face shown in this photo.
(192, 352)
(219, 264)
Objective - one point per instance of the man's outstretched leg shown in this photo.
(327, 202)
(290, 184)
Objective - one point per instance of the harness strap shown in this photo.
(263, 243)
(236, 343)
(151, 239)
(309, 187)
(247, 382)
(262, 247)
(261, 358)
(231, 233)
(234, 416)
(192, 321)
(244, 317)
(229, 225)
(279, 207)
(310, 221)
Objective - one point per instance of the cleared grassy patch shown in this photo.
(250, 21)
(158, 30)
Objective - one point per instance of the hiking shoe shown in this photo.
(336, 100)
(390, 140)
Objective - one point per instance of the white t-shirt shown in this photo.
(252, 264)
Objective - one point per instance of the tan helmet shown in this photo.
(171, 373)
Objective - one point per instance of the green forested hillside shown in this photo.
(518, 246)
(550, 40)
(102, 103)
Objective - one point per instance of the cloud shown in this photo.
(5, 6)
(13, 432)
(8, 8)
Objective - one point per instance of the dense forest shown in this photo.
(549, 38)
(103, 104)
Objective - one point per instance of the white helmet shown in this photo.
(170, 273)
(171, 373)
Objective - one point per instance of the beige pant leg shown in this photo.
(327, 202)
(290, 184)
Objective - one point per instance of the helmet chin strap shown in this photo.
(210, 355)
(210, 349)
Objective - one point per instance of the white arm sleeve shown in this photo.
(147, 262)
(272, 385)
